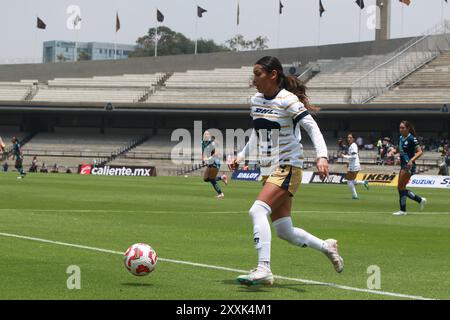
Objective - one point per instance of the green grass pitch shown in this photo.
(181, 218)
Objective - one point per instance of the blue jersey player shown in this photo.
(17, 154)
(410, 151)
(212, 160)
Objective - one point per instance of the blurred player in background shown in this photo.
(410, 151)
(212, 160)
(278, 110)
(2, 147)
(17, 154)
(353, 166)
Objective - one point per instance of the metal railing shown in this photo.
(405, 60)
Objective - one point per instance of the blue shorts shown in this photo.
(411, 170)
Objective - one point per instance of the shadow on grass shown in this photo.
(297, 287)
(131, 284)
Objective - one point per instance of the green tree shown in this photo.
(207, 46)
(84, 56)
(60, 58)
(238, 42)
(171, 43)
(259, 43)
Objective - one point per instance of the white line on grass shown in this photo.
(215, 212)
(333, 285)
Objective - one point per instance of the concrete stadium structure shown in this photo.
(145, 99)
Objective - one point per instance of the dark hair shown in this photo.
(409, 126)
(351, 134)
(290, 83)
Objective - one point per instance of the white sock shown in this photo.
(262, 235)
(351, 186)
(356, 182)
(299, 237)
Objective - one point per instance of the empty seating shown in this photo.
(218, 86)
(77, 144)
(128, 88)
(15, 91)
(430, 84)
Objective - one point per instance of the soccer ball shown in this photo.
(140, 259)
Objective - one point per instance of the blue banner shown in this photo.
(248, 175)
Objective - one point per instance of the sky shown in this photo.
(297, 26)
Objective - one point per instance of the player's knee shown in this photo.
(286, 234)
(282, 234)
(259, 208)
(284, 229)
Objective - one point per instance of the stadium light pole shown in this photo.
(156, 35)
(36, 42)
(237, 27)
(359, 25)
(196, 34)
(75, 58)
(279, 27)
(402, 20)
(384, 19)
(318, 32)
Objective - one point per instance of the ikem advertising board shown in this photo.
(379, 179)
(129, 171)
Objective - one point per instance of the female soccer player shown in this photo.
(353, 166)
(212, 160)
(410, 151)
(17, 154)
(277, 114)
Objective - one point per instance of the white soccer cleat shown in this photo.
(333, 254)
(225, 179)
(220, 196)
(423, 203)
(400, 213)
(260, 275)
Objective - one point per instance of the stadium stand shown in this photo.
(147, 101)
(16, 91)
(430, 84)
(331, 85)
(72, 149)
(218, 86)
(126, 88)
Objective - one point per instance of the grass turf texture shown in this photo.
(182, 220)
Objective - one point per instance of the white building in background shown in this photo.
(60, 51)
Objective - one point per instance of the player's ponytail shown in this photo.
(290, 83)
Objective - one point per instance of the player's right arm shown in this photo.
(352, 152)
(249, 149)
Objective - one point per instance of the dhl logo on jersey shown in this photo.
(264, 111)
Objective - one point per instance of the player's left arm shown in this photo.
(20, 153)
(215, 153)
(418, 151)
(302, 117)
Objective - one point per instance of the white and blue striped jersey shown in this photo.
(353, 158)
